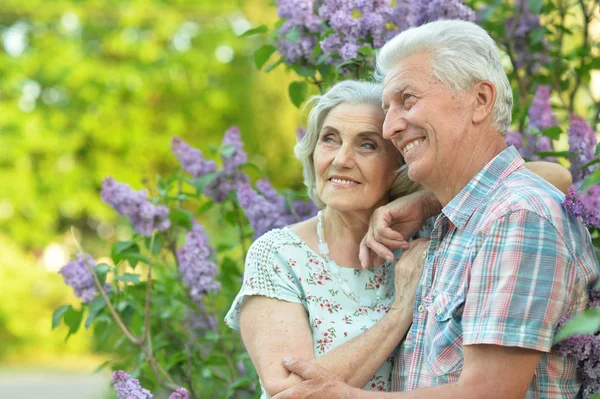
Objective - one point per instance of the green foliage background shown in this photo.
(114, 89)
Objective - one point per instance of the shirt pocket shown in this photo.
(443, 335)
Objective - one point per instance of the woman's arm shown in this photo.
(272, 329)
(555, 174)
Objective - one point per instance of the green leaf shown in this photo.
(293, 35)
(95, 308)
(306, 71)
(227, 151)
(181, 217)
(58, 315)
(553, 132)
(565, 154)
(132, 278)
(597, 153)
(262, 55)
(156, 242)
(72, 319)
(274, 65)
(591, 163)
(101, 270)
(255, 31)
(535, 6)
(592, 179)
(536, 35)
(586, 323)
(366, 50)
(297, 92)
(204, 181)
(129, 251)
(102, 366)
(204, 207)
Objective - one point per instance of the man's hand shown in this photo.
(392, 225)
(318, 382)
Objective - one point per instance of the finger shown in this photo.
(303, 368)
(380, 249)
(363, 253)
(388, 232)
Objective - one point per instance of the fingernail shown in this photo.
(287, 359)
(389, 258)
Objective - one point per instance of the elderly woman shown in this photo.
(304, 292)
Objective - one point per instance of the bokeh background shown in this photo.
(96, 88)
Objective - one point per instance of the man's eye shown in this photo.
(407, 96)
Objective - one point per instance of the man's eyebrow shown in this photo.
(394, 93)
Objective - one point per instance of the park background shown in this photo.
(98, 88)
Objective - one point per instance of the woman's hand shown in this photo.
(408, 273)
(392, 225)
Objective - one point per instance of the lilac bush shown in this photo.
(128, 387)
(582, 143)
(77, 274)
(191, 159)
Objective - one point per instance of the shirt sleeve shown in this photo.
(267, 273)
(520, 284)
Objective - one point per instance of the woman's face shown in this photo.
(354, 164)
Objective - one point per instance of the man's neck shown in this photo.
(465, 169)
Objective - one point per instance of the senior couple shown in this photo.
(372, 298)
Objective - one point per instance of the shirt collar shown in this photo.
(462, 206)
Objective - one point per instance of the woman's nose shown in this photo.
(344, 157)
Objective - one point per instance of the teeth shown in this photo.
(340, 181)
(411, 145)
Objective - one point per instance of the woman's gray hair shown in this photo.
(462, 54)
(345, 92)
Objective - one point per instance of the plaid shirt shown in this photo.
(505, 263)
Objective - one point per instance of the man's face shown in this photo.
(426, 122)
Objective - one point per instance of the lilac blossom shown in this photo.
(195, 267)
(269, 192)
(423, 11)
(299, 18)
(540, 112)
(230, 178)
(517, 31)
(586, 351)
(582, 143)
(516, 139)
(128, 387)
(180, 393)
(144, 216)
(580, 207)
(77, 274)
(300, 133)
(191, 159)
(262, 214)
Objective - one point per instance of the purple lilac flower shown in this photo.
(586, 351)
(582, 143)
(269, 192)
(77, 275)
(300, 133)
(423, 11)
(233, 139)
(180, 393)
(128, 387)
(576, 205)
(143, 215)
(514, 138)
(517, 30)
(262, 214)
(299, 16)
(191, 159)
(305, 209)
(355, 24)
(230, 178)
(241, 368)
(196, 268)
(540, 117)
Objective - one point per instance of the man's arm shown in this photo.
(491, 372)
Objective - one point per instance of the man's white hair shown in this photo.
(461, 54)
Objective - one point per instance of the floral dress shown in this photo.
(341, 303)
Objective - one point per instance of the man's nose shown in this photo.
(394, 124)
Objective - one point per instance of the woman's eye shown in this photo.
(368, 145)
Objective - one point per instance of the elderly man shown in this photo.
(506, 261)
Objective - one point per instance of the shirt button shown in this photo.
(421, 308)
(439, 312)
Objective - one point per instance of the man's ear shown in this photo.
(485, 97)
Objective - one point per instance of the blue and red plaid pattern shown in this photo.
(505, 263)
